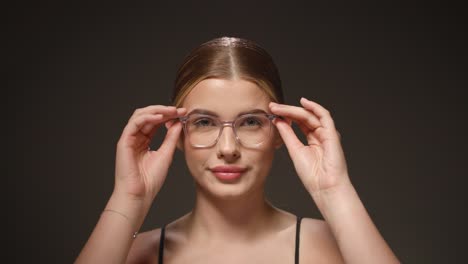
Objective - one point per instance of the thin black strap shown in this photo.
(296, 255)
(161, 245)
(298, 231)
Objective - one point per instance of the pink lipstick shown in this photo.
(228, 172)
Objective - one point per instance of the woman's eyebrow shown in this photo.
(202, 112)
(211, 113)
(254, 111)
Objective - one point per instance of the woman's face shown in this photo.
(229, 169)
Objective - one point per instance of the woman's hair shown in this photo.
(228, 58)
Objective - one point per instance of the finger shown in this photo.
(147, 123)
(311, 139)
(287, 134)
(297, 114)
(150, 129)
(170, 141)
(135, 125)
(132, 136)
(181, 112)
(154, 109)
(168, 124)
(322, 113)
(168, 119)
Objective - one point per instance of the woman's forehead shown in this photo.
(226, 96)
(207, 112)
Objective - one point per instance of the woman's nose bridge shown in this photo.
(229, 136)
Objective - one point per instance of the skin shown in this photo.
(215, 95)
(233, 222)
(235, 219)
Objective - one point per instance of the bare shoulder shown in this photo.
(145, 248)
(318, 244)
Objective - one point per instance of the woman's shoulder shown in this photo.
(313, 230)
(317, 237)
(317, 242)
(314, 225)
(145, 247)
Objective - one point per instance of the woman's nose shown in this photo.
(227, 146)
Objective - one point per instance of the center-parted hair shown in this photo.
(228, 58)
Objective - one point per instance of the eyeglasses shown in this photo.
(250, 130)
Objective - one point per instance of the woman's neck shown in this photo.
(239, 219)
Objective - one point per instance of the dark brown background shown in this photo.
(392, 77)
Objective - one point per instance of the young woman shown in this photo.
(228, 117)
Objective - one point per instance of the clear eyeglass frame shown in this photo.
(222, 124)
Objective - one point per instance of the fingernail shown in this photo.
(169, 123)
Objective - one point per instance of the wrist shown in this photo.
(336, 200)
(134, 210)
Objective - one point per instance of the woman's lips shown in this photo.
(228, 173)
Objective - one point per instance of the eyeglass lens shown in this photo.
(251, 130)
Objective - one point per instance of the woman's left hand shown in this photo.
(320, 164)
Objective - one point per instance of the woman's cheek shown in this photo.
(197, 161)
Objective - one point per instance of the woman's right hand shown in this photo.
(139, 171)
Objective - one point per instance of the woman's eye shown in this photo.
(251, 121)
(203, 122)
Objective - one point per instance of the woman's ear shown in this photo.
(180, 143)
(279, 143)
(180, 140)
(277, 140)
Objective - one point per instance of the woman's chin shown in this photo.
(226, 192)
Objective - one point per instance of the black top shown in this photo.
(296, 254)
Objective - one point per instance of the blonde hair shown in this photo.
(228, 58)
